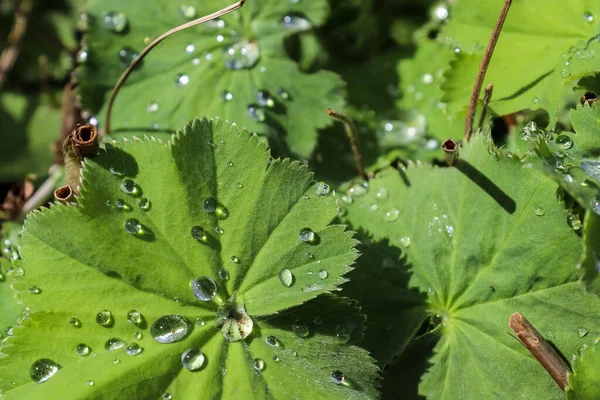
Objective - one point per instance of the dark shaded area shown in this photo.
(118, 162)
(503, 200)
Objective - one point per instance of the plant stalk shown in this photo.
(352, 134)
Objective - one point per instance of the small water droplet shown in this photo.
(427, 79)
(169, 328)
(564, 142)
(535, 100)
(323, 274)
(539, 211)
(307, 235)
(221, 211)
(530, 131)
(276, 358)
(83, 349)
(114, 344)
(134, 349)
(192, 359)
(300, 330)
(74, 322)
(127, 55)
(204, 288)
(219, 230)
(152, 107)
(199, 234)
(223, 274)
(581, 331)
(235, 259)
(338, 377)
(294, 22)
(90, 383)
(359, 189)
(133, 227)
(182, 79)
(137, 335)
(199, 322)
(392, 215)
(188, 12)
(286, 277)
(241, 55)
(210, 204)
(215, 24)
(129, 186)
(256, 113)
(190, 48)
(574, 222)
(144, 204)
(259, 364)
(136, 318)
(34, 290)
(264, 99)
(322, 189)
(43, 369)
(226, 96)
(589, 17)
(382, 194)
(283, 94)
(272, 341)
(405, 241)
(115, 22)
(116, 361)
(105, 318)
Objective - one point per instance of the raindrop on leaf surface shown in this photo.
(259, 364)
(564, 142)
(300, 330)
(307, 235)
(134, 349)
(74, 322)
(198, 234)
(272, 341)
(133, 226)
(338, 377)
(83, 349)
(322, 189)
(105, 319)
(43, 369)
(581, 331)
(210, 204)
(192, 359)
(135, 317)
(169, 328)
(323, 274)
(115, 22)
(114, 344)
(204, 288)
(286, 277)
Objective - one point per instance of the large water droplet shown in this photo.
(210, 204)
(294, 22)
(105, 318)
(338, 377)
(204, 288)
(192, 359)
(307, 235)
(241, 55)
(286, 277)
(169, 328)
(259, 364)
(322, 189)
(133, 226)
(300, 330)
(114, 344)
(134, 349)
(43, 369)
(113, 21)
(564, 142)
(83, 349)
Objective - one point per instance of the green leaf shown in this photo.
(84, 261)
(30, 125)
(591, 260)
(187, 75)
(485, 238)
(543, 47)
(584, 382)
(10, 308)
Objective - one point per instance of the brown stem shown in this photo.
(11, 52)
(450, 148)
(540, 349)
(352, 134)
(487, 56)
(152, 45)
(487, 97)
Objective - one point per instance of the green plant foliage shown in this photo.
(584, 382)
(10, 308)
(591, 261)
(543, 47)
(484, 239)
(30, 125)
(130, 244)
(235, 67)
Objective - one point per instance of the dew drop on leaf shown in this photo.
(581, 331)
(323, 274)
(300, 330)
(338, 377)
(136, 318)
(392, 215)
(90, 383)
(307, 235)
(264, 99)
(539, 211)
(152, 107)
(122, 205)
(134, 349)
(83, 349)
(219, 230)
(204, 288)
(405, 241)
(272, 341)
(210, 204)
(382, 194)
(259, 364)
(276, 358)
(589, 17)
(127, 55)
(564, 142)
(322, 189)
(43, 369)
(144, 204)
(116, 361)
(137, 335)
(115, 22)
(105, 318)
(34, 290)
(283, 94)
(359, 189)
(192, 359)
(199, 322)
(223, 274)
(242, 55)
(129, 186)
(188, 12)
(574, 222)
(166, 396)
(221, 211)
(226, 96)
(235, 259)
(169, 328)
(74, 322)
(133, 226)
(198, 234)
(114, 344)
(256, 113)
(294, 22)
(286, 277)
(182, 79)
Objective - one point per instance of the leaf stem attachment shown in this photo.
(82, 142)
(352, 134)
(485, 62)
(154, 43)
(540, 349)
(450, 148)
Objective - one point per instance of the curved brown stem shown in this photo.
(352, 134)
(152, 45)
(11, 52)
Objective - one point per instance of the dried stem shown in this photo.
(487, 97)
(540, 349)
(487, 56)
(42, 194)
(352, 134)
(11, 52)
(152, 45)
(450, 148)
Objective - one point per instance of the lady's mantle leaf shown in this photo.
(485, 238)
(151, 219)
(235, 67)
(543, 46)
(584, 382)
(591, 261)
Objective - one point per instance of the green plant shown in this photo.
(199, 260)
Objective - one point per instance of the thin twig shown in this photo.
(43, 194)
(152, 45)
(352, 134)
(540, 349)
(11, 52)
(487, 56)
(487, 97)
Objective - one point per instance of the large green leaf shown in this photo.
(543, 46)
(10, 308)
(485, 238)
(591, 261)
(192, 73)
(584, 382)
(118, 252)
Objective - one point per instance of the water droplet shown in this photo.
(90, 383)
(283, 94)
(152, 107)
(199, 322)
(294, 22)
(134, 349)
(276, 358)
(114, 344)
(137, 335)
(440, 12)
(34, 290)
(588, 17)
(405, 241)
(133, 227)
(256, 113)
(235, 259)
(210, 204)
(136, 318)
(323, 274)
(259, 364)
(43, 369)
(264, 99)
(359, 189)
(392, 215)
(199, 234)
(382, 194)
(192, 359)
(219, 230)
(115, 22)
(144, 204)
(204, 288)
(129, 186)
(427, 79)
(182, 79)
(307, 235)
(167, 396)
(169, 329)
(116, 361)
(272, 341)
(539, 211)
(215, 24)
(300, 330)
(564, 142)
(322, 189)
(188, 12)
(574, 222)
(105, 318)
(241, 55)
(223, 274)
(190, 48)
(127, 55)
(456, 50)
(83, 349)
(581, 331)
(74, 322)
(338, 377)
(286, 277)
(221, 211)
(226, 96)
(530, 131)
